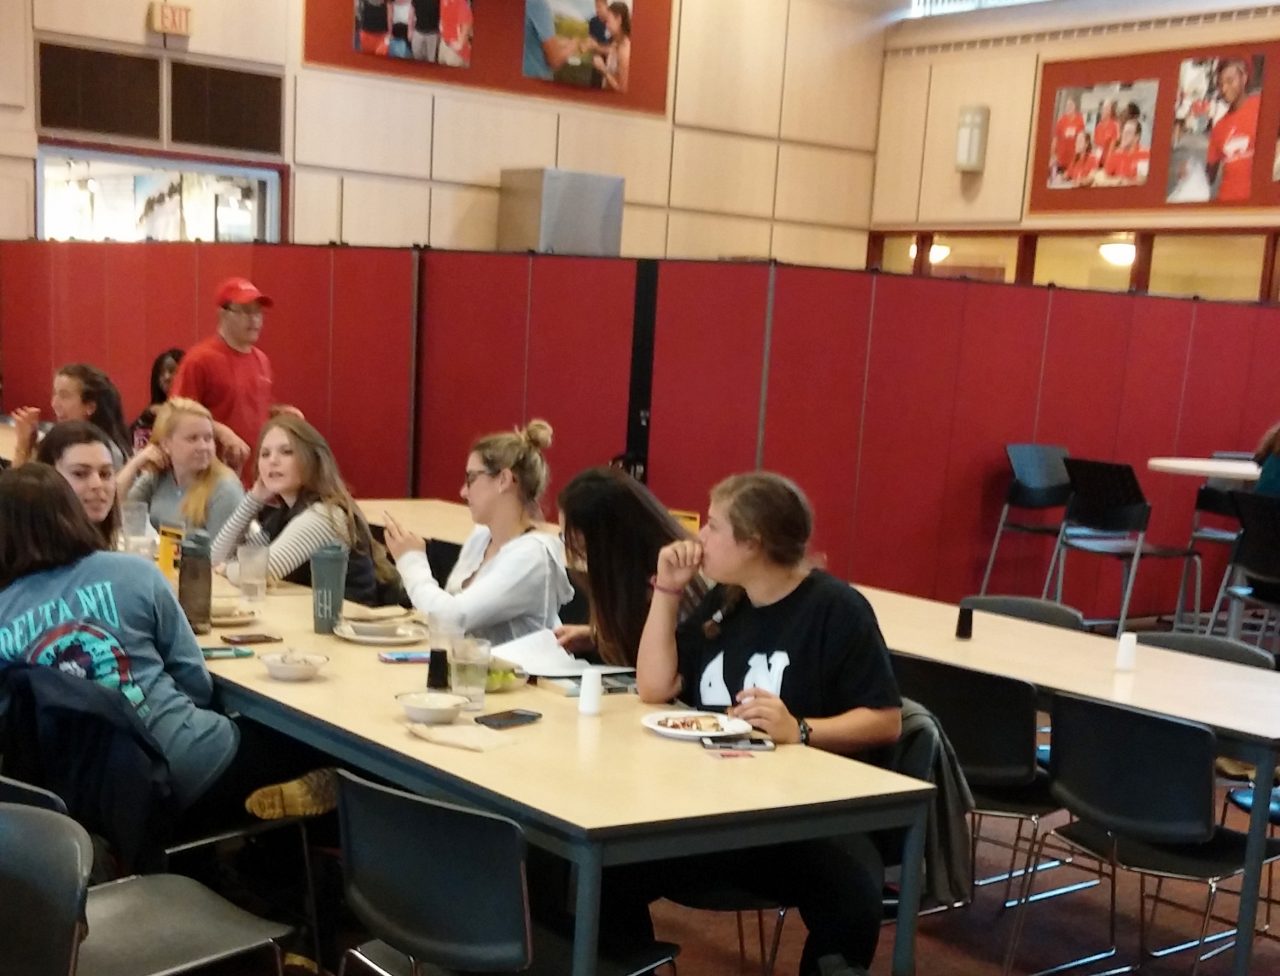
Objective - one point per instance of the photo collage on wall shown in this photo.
(429, 31)
(583, 43)
(1102, 134)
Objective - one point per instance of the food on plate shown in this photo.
(691, 723)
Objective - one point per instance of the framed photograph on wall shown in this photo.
(583, 43)
(1101, 134)
(1215, 130)
(428, 31)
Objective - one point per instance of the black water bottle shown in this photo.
(195, 580)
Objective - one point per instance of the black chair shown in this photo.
(1106, 498)
(1257, 556)
(1028, 608)
(1039, 483)
(1214, 498)
(44, 877)
(1154, 817)
(442, 889)
(1212, 646)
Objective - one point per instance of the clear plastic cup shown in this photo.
(252, 581)
(135, 521)
(469, 670)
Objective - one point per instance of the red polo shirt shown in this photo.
(1231, 143)
(235, 386)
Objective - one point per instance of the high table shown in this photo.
(598, 791)
(1206, 467)
(1241, 704)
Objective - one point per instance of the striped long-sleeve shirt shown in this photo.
(320, 525)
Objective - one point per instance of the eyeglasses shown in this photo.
(470, 477)
(247, 312)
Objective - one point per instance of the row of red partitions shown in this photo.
(889, 399)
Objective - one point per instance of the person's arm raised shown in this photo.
(657, 663)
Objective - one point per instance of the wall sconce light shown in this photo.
(971, 138)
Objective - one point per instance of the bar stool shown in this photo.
(1108, 504)
(1039, 482)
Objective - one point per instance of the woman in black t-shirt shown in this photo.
(799, 655)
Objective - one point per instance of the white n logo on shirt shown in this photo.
(763, 671)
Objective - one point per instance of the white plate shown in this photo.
(407, 634)
(728, 726)
(236, 618)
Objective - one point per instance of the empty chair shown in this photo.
(1154, 817)
(1205, 645)
(444, 886)
(1028, 608)
(1214, 498)
(44, 876)
(1039, 483)
(1257, 557)
(1107, 498)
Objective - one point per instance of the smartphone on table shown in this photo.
(756, 742)
(509, 719)
(235, 640)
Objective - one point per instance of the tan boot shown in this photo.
(306, 796)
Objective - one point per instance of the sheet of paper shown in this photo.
(539, 655)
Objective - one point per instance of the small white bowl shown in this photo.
(431, 707)
(293, 666)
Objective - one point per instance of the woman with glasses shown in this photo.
(509, 579)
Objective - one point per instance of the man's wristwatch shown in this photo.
(805, 731)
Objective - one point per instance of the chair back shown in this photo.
(1028, 608)
(1106, 496)
(989, 719)
(1214, 495)
(1147, 777)
(1258, 549)
(1205, 645)
(1039, 477)
(437, 882)
(44, 879)
(16, 791)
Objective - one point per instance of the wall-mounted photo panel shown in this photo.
(1102, 134)
(1215, 130)
(429, 31)
(583, 43)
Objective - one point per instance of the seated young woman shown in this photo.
(178, 473)
(81, 453)
(80, 392)
(799, 655)
(1267, 457)
(132, 636)
(613, 529)
(300, 504)
(509, 579)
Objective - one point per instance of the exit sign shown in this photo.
(168, 18)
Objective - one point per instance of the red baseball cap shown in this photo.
(240, 291)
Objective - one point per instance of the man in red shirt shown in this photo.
(228, 373)
(1232, 140)
(1106, 131)
(1069, 125)
(1129, 162)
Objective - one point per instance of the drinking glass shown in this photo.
(135, 520)
(469, 670)
(252, 561)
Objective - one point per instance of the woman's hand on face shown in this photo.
(400, 540)
(574, 638)
(262, 493)
(765, 711)
(678, 564)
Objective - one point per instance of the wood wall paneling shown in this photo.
(706, 236)
(364, 125)
(475, 140)
(707, 363)
(723, 173)
(644, 232)
(15, 54)
(17, 199)
(637, 149)
(464, 218)
(317, 207)
(900, 144)
(821, 321)
(819, 246)
(383, 212)
(824, 186)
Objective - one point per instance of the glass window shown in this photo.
(899, 253)
(87, 195)
(1225, 266)
(1098, 261)
(982, 258)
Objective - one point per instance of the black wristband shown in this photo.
(805, 731)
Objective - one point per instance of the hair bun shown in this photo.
(537, 433)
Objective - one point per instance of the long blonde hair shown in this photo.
(195, 502)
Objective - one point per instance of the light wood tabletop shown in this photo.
(431, 518)
(596, 789)
(1206, 467)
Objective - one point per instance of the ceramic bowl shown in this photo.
(293, 665)
(431, 707)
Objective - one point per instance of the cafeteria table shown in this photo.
(597, 790)
(1226, 468)
(1239, 703)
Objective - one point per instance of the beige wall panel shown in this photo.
(15, 53)
(478, 138)
(821, 246)
(644, 232)
(346, 121)
(385, 213)
(464, 218)
(725, 174)
(637, 150)
(710, 237)
(17, 199)
(900, 145)
(317, 207)
(825, 186)
(112, 20)
(730, 71)
(246, 30)
(835, 48)
(1006, 84)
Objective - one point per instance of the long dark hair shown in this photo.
(108, 411)
(67, 434)
(158, 394)
(44, 523)
(616, 526)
